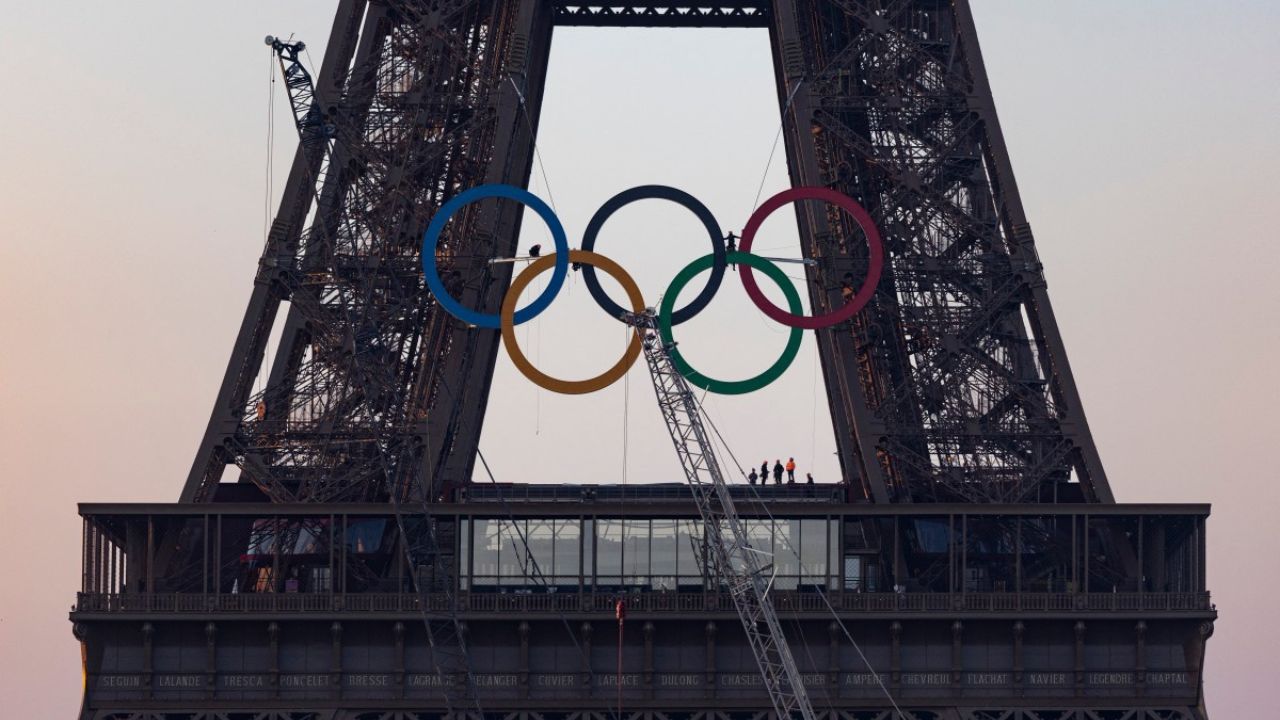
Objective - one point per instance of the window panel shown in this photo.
(541, 541)
(635, 553)
(609, 552)
(813, 550)
(484, 560)
(589, 550)
(662, 548)
(689, 552)
(464, 553)
(786, 547)
(567, 551)
(511, 558)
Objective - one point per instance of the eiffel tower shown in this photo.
(330, 557)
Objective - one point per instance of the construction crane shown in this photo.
(744, 569)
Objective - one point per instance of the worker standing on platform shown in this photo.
(764, 473)
(752, 477)
(791, 470)
(777, 472)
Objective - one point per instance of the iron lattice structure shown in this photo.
(340, 578)
(373, 391)
(953, 385)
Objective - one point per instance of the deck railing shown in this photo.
(651, 602)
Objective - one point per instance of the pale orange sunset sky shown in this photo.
(132, 152)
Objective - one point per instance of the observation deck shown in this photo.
(252, 603)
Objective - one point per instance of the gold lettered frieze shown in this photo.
(678, 680)
(629, 680)
(864, 680)
(756, 680)
(178, 682)
(503, 680)
(368, 680)
(1109, 679)
(304, 681)
(986, 679)
(426, 680)
(1160, 677)
(556, 681)
(1048, 679)
(926, 679)
(741, 680)
(244, 682)
(120, 682)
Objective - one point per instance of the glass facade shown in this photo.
(633, 553)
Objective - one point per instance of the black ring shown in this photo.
(679, 197)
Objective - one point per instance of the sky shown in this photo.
(133, 147)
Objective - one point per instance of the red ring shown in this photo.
(863, 296)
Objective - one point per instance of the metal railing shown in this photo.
(656, 492)
(648, 602)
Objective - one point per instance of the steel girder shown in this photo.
(953, 384)
(416, 102)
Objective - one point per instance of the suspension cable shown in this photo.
(791, 548)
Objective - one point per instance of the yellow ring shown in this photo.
(526, 368)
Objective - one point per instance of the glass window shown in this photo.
(786, 557)
(760, 535)
(365, 536)
(609, 552)
(512, 559)
(635, 552)
(567, 551)
(853, 573)
(833, 550)
(541, 541)
(689, 552)
(464, 553)
(662, 548)
(484, 558)
(589, 550)
(933, 534)
(813, 550)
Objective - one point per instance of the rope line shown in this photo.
(774, 148)
(791, 548)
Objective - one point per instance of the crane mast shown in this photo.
(744, 569)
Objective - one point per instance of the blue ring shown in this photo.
(681, 198)
(432, 236)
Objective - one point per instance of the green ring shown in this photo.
(728, 387)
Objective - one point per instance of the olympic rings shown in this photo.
(432, 237)
(720, 258)
(850, 308)
(734, 387)
(569, 387)
(679, 197)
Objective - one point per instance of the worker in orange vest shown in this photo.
(791, 470)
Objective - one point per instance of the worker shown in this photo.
(261, 410)
(752, 477)
(777, 472)
(791, 470)
(808, 478)
(764, 472)
(846, 292)
(535, 250)
(731, 245)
